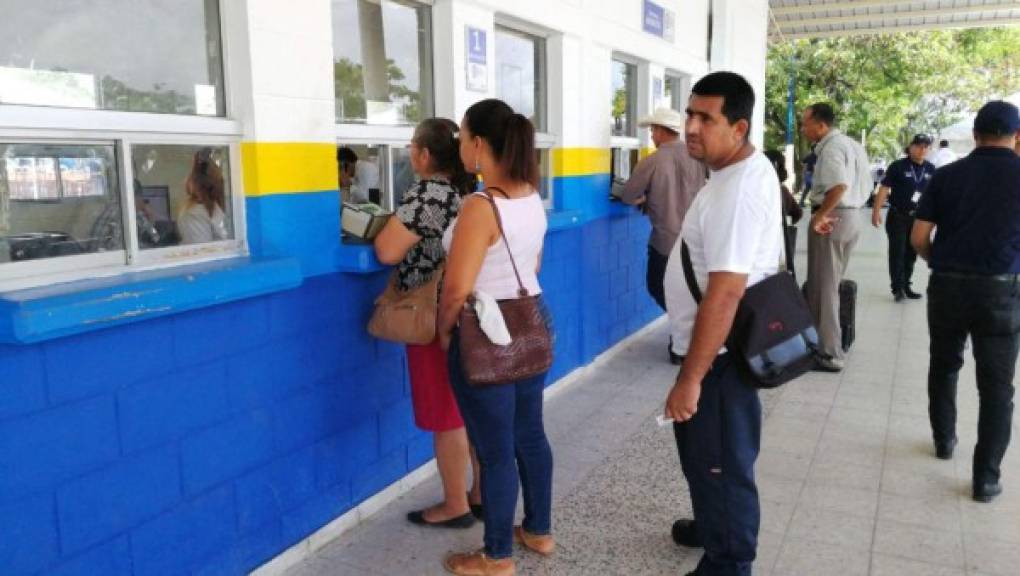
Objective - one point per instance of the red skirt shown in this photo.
(435, 408)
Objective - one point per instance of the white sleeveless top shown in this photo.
(524, 224)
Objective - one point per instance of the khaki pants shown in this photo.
(828, 257)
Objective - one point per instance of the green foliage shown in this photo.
(891, 86)
(349, 82)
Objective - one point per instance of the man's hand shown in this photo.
(823, 224)
(682, 402)
(876, 217)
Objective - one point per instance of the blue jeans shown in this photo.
(505, 425)
(718, 448)
(989, 311)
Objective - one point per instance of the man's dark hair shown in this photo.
(943, 143)
(823, 112)
(345, 155)
(737, 94)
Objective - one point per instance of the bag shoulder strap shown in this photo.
(521, 290)
(689, 277)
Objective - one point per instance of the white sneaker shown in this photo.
(828, 364)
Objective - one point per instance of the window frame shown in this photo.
(540, 37)
(685, 82)
(27, 124)
(431, 62)
(386, 145)
(632, 99)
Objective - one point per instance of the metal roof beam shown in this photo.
(876, 30)
(797, 9)
(953, 11)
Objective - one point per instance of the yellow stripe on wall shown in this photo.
(580, 161)
(288, 167)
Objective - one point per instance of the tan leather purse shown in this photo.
(407, 316)
(530, 350)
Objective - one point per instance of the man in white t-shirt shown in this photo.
(733, 233)
(944, 155)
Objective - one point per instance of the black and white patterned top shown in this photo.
(426, 209)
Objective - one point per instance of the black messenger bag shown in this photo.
(773, 334)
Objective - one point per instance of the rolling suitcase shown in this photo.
(847, 312)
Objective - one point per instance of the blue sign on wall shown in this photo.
(653, 20)
(476, 45)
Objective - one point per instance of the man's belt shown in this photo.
(819, 207)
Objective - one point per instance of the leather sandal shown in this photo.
(543, 544)
(478, 564)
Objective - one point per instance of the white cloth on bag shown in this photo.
(490, 318)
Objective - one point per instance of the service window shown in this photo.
(181, 195)
(678, 90)
(58, 200)
(77, 196)
(545, 182)
(382, 61)
(376, 173)
(520, 73)
(623, 99)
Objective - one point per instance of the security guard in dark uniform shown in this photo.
(973, 205)
(904, 183)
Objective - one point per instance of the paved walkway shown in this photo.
(848, 482)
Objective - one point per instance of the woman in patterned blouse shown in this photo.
(413, 240)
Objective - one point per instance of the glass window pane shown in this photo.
(545, 181)
(131, 55)
(58, 200)
(519, 80)
(624, 78)
(182, 194)
(361, 174)
(403, 175)
(676, 92)
(382, 61)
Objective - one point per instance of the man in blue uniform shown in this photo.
(973, 205)
(904, 182)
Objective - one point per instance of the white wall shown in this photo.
(740, 44)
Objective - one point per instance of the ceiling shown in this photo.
(793, 19)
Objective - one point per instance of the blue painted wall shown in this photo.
(210, 441)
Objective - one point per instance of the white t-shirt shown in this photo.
(942, 156)
(734, 225)
(197, 226)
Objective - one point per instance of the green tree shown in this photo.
(891, 86)
(349, 82)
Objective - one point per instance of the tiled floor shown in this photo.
(847, 479)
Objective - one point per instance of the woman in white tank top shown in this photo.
(504, 422)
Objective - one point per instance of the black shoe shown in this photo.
(462, 521)
(476, 509)
(685, 533)
(944, 451)
(987, 492)
(911, 294)
(898, 295)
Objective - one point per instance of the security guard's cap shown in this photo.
(922, 139)
(997, 118)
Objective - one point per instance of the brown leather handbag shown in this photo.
(530, 350)
(407, 316)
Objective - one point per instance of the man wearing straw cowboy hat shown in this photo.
(665, 184)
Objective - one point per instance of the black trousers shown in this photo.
(989, 311)
(654, 276)
(718, 448)
(901, 254)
